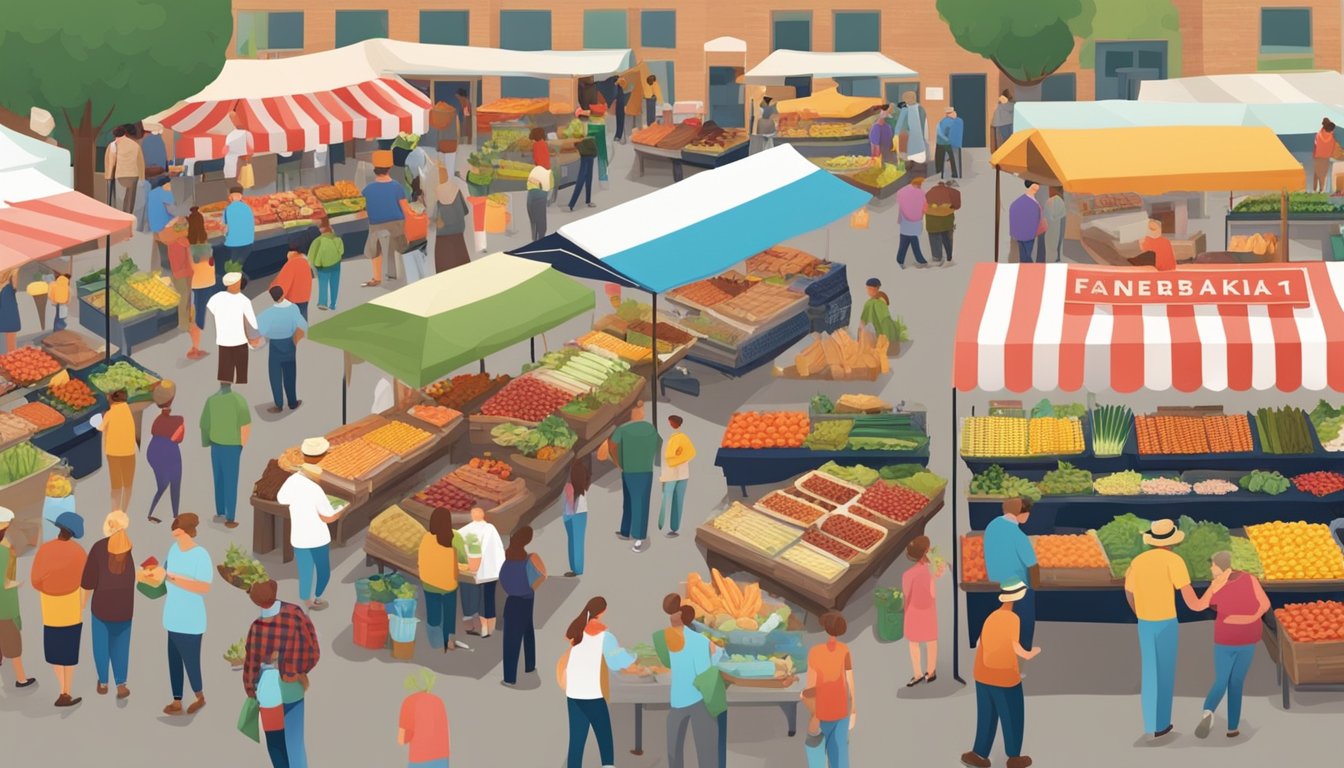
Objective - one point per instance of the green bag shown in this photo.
(890, 610)
(709, 683)
(153, 593)
(249, 719)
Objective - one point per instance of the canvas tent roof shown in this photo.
(830, 103)
(1258, 88)
(1283, 119)
(785, 63)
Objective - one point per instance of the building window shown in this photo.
(1285, 30)
(524, 31)
(658, 29)
(445, 27)
(858, 31)
(792, 30)
(895, 91)
(258, 31)
(606, 29)
(357, 26)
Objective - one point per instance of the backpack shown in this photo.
(513, 579)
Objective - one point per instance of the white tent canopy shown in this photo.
(785, 63)
(726, 45)
(20, 151)
(1289, 88)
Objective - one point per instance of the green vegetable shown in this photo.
(21, 461)
(857, 474)
(1260, 481)
(925, 483)
(405, 592)
(898, 471)
(1298, 202)
(1283, 431)
(996, 482)
(1110, 429)
(1202, 539)
(1245, 558)
(830, 435)
(1122, 538)
(822, 404)
(1127, 483)
(1066, 480)
(236, 653)
(1328, 421)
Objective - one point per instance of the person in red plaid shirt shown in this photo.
(283, 637)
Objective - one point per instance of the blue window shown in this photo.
(858, 31)
(524, 31)
(357, 26)
(445, 27)
(267, 31)
(605, 29)
(658, 29)
(1285, 30)
(792, 30)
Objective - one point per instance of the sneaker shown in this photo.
(123, 692)
(1233, 734)
(461, 645)
(640, 546)
(974, 761)
(318, 605)
(231, 525)
(570, 574)
(672, 534)
(1205, 725)
(1021, 761)
(1163, 732)
(322, 307)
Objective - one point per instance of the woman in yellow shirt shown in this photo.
(676, 473)
(202, 279)
(119, 443)
(57, 570)
(441, 552)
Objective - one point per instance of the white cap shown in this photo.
(232, 278)
(6, 517)
(315, 446)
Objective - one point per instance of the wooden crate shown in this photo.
(542, 472)
(1079, 577)
(1312, 663)
(479, 427)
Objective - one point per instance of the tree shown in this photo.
(1026, 40)
(95, 64)
(1136, 20)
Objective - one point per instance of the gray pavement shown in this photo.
(1082, 691)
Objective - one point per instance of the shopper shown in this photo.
(240, 228)
(584, 183)
(940, 219)
(442, 136)
(161, 215)
(109, 575)
(1164, 257)
(688, 654)
(59, 296)
(914, 123)
(1240, 602)
(325, 254)
(282, 325)
(199, 283)
(126, 163)
(464, 115)
(1323, 151)
(1056, 215)
(619, 104)
(998, 683)
(911, 205)
(387, 220)
(442, 550)
(120, 445)
(676, 474)
(877, 313)
(189, 572)
(11, 623)
(234, 319)
(309, 514)
(485, 556)
(767, 127)
(1026, 221)
(538, 191)
(944, 156)
(519, 577)
(830, 673)
(921, 609)
(282, 636)
(226, 424)
(1151, 584)
(880, 136)
(580, 673)
(58, 568)
(1010, 559)
(1001, 124)
(653, 97)
(452, 213)
(576, 512)
(165, 448)
(633, 447)
(9, 308)
(422, 724)
(296, 276)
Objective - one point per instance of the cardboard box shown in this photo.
(1186, 250)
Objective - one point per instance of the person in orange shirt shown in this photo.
(1164, 258)
(998, 683)
(830, 687)
(1322, 152)
(296, 277)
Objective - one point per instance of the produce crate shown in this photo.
(543, 472)
(828, 287)
(759, 682)
(798, 483)
(832, 316)
(844, 566)
(783, 518)
(1079, 577)
(133, 396)
(24, 497)
(866, 553)
(479, 426)
(1311, 663)
(590, 426)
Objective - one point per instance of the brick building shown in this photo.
(1214, 37)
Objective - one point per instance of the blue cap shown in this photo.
(72, 523)
(873, 282)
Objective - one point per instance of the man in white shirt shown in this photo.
(233, 316)
(309, 512)
(485, 555)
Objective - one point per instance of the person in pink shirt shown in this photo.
(921, 609)
(423, 723)
(1240, 602)
(911, 205)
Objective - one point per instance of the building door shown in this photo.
(1122, 65)
(1061, 87)
(968, 98)
(727, 97)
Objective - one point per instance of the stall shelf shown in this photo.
(1326, 674)
(744, 467)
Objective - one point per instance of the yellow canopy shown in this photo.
(1153, 160)
(830, 104)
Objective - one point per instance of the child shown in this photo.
(325, 254)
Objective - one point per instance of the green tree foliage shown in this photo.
(1026, 39)
(1135, 20)
(95, 63)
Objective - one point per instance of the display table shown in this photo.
(1235, 510)
(126, 335)
(653, 692)
(1313, 227)
(1274, 643)
(755, 351)
(678, 159)
(761, 466)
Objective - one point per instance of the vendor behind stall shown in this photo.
(1164, 258)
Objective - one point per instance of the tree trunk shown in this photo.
(85, 137)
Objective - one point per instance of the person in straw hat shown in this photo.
(109, 575)
(998, 683)
(309, 512)
(11, 641)
(57, 570)
(1151, 584)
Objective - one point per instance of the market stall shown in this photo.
(832, 130)
(691, 142)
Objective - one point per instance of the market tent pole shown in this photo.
(998, 212)
(1281, 254)
(345, 392)
(533, 343)
(107, 298)
(956, 592)
(653, 347)
(482, 365)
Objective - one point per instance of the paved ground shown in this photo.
(1082, 690)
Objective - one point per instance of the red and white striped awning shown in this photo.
(1222, 327)
(374, 109)
(40, 218)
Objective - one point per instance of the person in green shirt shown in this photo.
(225, 425)
(633, 448)
(877, 313)
(11, 642)
(325, 254)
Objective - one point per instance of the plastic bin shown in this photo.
(890, 619)
(370, 626)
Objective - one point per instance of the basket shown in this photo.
(889, 622)
(403, 651)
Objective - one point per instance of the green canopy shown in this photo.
(426, 330)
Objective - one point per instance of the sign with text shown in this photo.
(1249, 286)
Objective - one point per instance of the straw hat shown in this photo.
(315, 446)
(6, 517)
(164, 392)
(1011, 593)
(1163, 533)
(232, 278)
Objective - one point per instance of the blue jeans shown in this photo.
(328, 285)
(430, 764)
(519, 634)
(184, 655)
(440, 617)
(309, 561)
(835, 736)
(1157, 648)
(283, 367)
(674, 494)
(583, 182)
(1026, 616)
(576, 526)
(636, 488)
(112, 646)
(585, 714)
(224, 466)
(1230, 665)
(908, 242)
(994, 705)
(294, 747)
(1024, 248)
(276, 749)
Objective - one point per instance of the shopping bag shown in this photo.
(713, 690)
(151, 591)
(417, 223)
(859, 219)
(249, 722)
(246, 179)
(416, 265)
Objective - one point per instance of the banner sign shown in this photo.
(1248, 286)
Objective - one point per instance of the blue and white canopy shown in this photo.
(700, 226)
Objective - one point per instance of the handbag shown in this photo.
(246, 178)
(249, 720)
(709, 683)
(859, 219)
